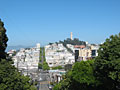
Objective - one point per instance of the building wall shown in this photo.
(86, 53)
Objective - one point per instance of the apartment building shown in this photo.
(86, 52)
(57, 55)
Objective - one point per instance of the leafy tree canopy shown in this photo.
(3, 40)
(107, 64)
(75, 41)
(10, 79)
(81, 77)
(40, 65)
(45, 66)
(58, 67)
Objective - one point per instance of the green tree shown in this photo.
(81, 77)
(3, 40)
(45, 66)
(40, 65)
(43, 51)
(107, 64)
(10, 79)
(40, 55)
(58, 67)
(68, 67)
(65, 83)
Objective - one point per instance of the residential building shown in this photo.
(85, 52)
(26, 60)
(57, 55)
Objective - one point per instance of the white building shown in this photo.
(27, 59)
(57, 55)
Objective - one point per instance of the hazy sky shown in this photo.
(31, 21)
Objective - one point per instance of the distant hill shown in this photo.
(16, 47)
(75, 41)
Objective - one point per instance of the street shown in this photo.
(43, 86)
(43, 78)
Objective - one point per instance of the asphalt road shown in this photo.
(43, 87)
(43, 78)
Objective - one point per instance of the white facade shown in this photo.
(57, 55)
(27, 59)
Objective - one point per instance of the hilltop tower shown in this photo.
(71, 36)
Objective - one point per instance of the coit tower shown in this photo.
(71, 36)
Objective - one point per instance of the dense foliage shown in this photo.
(40, 65)
(40, 54)
(10, 79)
(44, 52)
(58, 67)
(107, 64)
(103, 73)
(68, 67)
(75, 41)
(45, 66)
(79, 78)
(3, 40)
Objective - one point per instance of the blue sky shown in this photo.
(31, 21)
